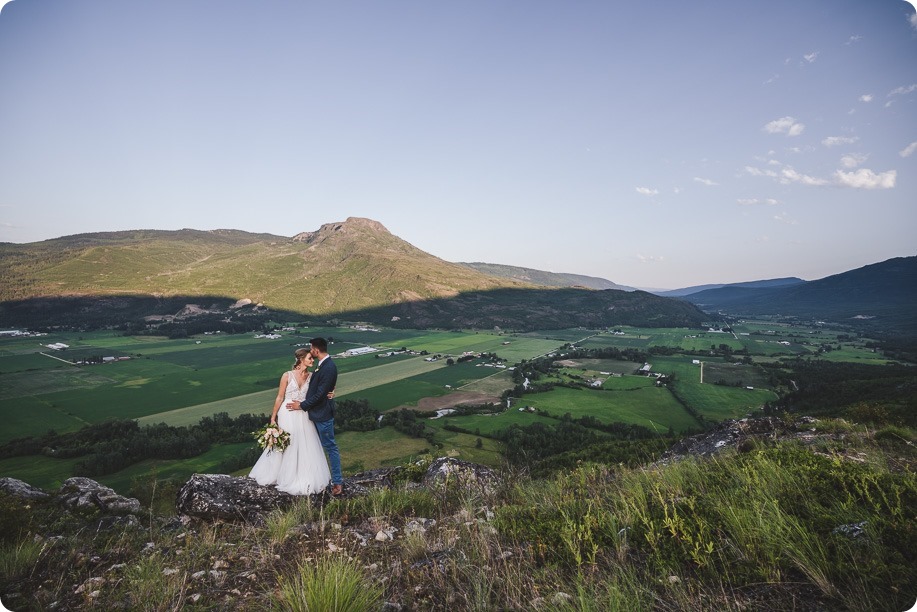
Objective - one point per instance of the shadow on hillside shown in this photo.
(517, 309)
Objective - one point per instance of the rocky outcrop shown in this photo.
(232, 498)
(738, 434)
(448, 471)
(21, 490)
(85, 495)
(218, 496)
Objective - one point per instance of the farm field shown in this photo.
(183, 380)
(652, 407)
(716, 402)
(487, 424)
(179, 381)
(180, 469)
(39, 471)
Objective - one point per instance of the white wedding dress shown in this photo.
(302, 468)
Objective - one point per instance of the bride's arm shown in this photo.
(281, 392)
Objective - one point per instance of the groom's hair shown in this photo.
(319, 343)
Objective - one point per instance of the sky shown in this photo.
(654, 144)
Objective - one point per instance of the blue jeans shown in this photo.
(326, 435)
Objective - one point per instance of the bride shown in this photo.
(301, 469)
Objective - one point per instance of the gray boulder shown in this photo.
(21, 490)
(450, 472)
(230, 498)
(234, 498)
(737, 434)
(85, 495)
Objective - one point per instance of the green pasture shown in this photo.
(596, 366)
(679, 365)
(458, 374)
(29, 363)
(519, 349)
(488, 424)
(718, 402)
(391, 392)
(31, 416)
(703, 341)
(653, 407)
(225, 354)
(512, 348)
(608, 340)
(39, 471)
(495, 383)
(386, 371)
(260, 402)
(178, 469)
(377, 448)
(731, 374)
(399, 393)
(560, 336)
(628, 383)
(855, 354)
(464, 446)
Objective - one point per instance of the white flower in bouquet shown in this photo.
(272, 438)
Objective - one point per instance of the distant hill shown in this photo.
(881, 296)
(761, 284)
(355, 268)
(544, 278)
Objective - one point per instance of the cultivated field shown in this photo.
(180, 381)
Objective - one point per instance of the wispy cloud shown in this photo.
(909, 149)
(854, 39)
(853, 160)
(757, 201)
(647, 191)
(759, 172)
(704, 181)
(785, 125)
(836, 141)
(785, 218)
(900, 91)
(650, 258)
(865, 178)
(866, 98)
(789, 175)
(810, 57)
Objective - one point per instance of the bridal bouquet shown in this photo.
(272, 438)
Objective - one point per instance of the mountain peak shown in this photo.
(353, 225)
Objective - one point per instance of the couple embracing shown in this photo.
(304, 407)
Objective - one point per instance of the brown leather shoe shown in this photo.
(337, 490)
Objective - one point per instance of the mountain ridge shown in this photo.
(880, 295)
(543, 277)
(757, 284)
(354, 267)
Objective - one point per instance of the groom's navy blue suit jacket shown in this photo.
(317, 404)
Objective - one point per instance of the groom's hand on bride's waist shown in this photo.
(293, 406)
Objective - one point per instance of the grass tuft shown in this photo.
(329, 583)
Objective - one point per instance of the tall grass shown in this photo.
(330, 583)
(765, 517)
(19, 556)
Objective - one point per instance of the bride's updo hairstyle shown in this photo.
(300, 354)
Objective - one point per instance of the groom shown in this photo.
(321, 409)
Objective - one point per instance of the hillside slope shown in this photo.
(542, 277)
(354, 269)
(882, 294)
(760, 284)
(342, 266)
